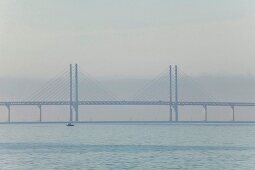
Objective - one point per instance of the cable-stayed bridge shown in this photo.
(74, 88)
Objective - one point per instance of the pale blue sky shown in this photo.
(129, 38)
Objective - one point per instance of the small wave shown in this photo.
(54, 147)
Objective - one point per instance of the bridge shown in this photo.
(74, 102)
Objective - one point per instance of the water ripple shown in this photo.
(116, 148)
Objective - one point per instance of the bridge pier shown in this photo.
(9, 112)
(40, 112)
(205, 107)
(170, 114)
(233, 113)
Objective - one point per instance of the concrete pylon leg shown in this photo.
(170, 95)
(176, 94)
(76, 94)
(71, 93)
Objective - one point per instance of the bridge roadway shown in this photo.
(124, 102)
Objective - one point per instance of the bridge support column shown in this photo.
(170, 94)
(76, 106)
(233, 113)
(40, 112)
(9, 112)
(176, 95)
(205, 107)
(71, 94)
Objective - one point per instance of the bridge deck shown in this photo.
(180, 103)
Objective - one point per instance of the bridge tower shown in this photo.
(71, 93)
(170, 94)
(76, 104)
(176, 94)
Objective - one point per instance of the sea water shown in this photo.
(127, 146)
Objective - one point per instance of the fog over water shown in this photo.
(124, 44)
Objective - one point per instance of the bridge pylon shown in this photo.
(176, 94)
(170, 94)
(71, 92)
(76, 104)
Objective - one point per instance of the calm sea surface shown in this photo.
(127, 146)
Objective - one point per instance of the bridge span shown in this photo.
(173, 103)
(124, 102)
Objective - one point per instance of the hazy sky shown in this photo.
(126, 37)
